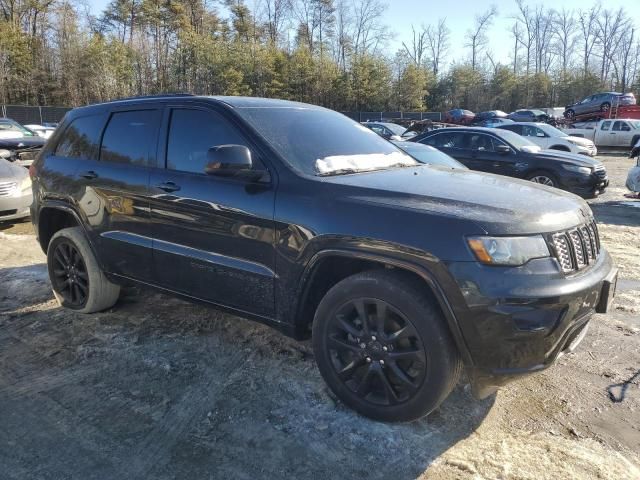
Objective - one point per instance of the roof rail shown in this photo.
(160, 95)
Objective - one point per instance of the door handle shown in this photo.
(89, 175)
(168, 187)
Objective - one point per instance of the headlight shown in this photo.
(508, 250)
(25, 184)
(577, 169)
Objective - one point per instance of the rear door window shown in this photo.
(81, 138)
(131, 137)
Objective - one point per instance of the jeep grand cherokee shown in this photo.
(402, 273)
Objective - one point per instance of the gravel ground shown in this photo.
(158, 388)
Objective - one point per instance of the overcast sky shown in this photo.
(401, 14)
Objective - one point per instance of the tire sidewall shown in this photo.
(433, 335)
(99, 290)
(55, 241)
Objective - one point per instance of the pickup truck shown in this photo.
(610, 133)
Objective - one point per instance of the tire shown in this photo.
(605, 107)
(76, 278)
(421, 366)
(570, 114)
(537, 176)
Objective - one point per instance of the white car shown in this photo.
(551, 138)
(42, 131)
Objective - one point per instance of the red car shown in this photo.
(459, 116)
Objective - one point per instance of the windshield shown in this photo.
(395, 128)
(429, 155)
(7, 125)
(516, 140)
(317, 141)
(552, 131)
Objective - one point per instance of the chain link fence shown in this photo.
(33, 115)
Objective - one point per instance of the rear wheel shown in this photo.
(543, 178)
(76, 278)
(570, 114)
(605, 107)
(383, 348)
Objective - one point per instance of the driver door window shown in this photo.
(192, 133)
(605, 126)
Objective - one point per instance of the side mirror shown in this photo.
(5, 153)
(229, 161)
(503, 149)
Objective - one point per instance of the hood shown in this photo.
(566, 157)
(9, 171)
(21, 142)
(499, 205)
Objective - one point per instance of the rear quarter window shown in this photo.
(81, 138)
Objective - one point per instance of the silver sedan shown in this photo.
(15, 190)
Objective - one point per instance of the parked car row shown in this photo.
(506, 153)
(403, 274)
(494, 118)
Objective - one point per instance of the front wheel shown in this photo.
(383, 347)
(569, 114)
(543, 178)
(76, 278)
(605, 107)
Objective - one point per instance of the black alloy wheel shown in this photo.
(605, 107)
(376, 351)
(70, 276)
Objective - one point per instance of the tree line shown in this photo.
(329, 52)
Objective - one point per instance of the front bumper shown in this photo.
(519, 320)
(585, 185)
(15, 207)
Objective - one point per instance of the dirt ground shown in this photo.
(159, 388)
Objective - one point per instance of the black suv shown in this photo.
(506, 153)
(301, 218)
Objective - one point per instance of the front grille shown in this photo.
(6, 188)
(576, 248)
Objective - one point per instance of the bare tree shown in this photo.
(564, 29)
(369, 31)
(417, 48)
(477, 37)
(526, 34)
(438, 43)
(543, 27)
(277, 13)
(587, 19)
(610, 26)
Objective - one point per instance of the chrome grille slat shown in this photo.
(578, 251)
(576, 248)
(6, 188)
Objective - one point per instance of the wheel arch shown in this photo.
(54, 216)
(560, 147)
(314, 285)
